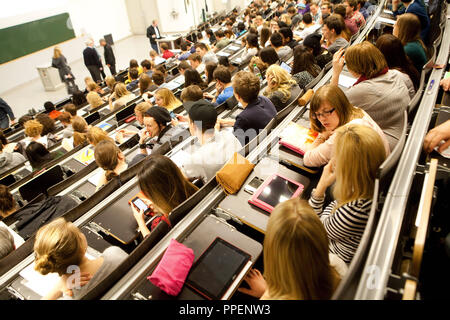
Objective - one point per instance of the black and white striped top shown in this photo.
(345, 226)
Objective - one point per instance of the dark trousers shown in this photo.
(103, 73)
(95, 73)
(155, 47)
(112, 68)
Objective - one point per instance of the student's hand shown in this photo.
(174, 122)
(217, 126)
(12, 122)
(325, 135)
(138, 215)
(208, 95)
(445, 83)
(436, 135)
(338, 61)
(145, 135)
(119, 137)
(327, 179)
(257, 284)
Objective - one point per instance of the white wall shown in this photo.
(90, 18)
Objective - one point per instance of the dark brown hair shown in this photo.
(7, 202)
(304, 61)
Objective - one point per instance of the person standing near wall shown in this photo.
(92, 61)
(5, 111)
(153, 34)
(110, 59)
(60, 62)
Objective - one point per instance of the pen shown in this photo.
(430, 86)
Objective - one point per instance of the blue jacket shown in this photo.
(5, 110)
(419, 10)
(256, 116)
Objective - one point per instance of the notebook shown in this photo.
(105, 126)
(85, 156)
(297, 137)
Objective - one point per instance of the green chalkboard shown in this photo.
(23, 39)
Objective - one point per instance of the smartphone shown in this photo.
(139, 204)
(253, 185)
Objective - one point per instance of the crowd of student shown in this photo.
(357, 130)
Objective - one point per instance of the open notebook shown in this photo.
(85, 156)
(297, 137)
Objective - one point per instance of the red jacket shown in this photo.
(167, 54)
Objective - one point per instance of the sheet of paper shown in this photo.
(18, 240)
(234, 48)
(180, 157)
(346, 81)
(96, 177)
(386, 20)
(223, 54)
(388, 11)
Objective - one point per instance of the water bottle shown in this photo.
(257, 72)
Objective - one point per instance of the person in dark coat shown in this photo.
(92, 61)
(110, 59)
(5, 112)
(153, 34)
(65, 73)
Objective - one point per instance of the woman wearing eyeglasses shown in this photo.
(329, 110)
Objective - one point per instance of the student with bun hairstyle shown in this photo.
(358, 153)
(380, 92)
(109, 157)
(329, 110)
(295, 241)
(59, 247)
(162, 182)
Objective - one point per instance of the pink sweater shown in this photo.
(320, 155)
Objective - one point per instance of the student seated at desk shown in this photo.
(80, 129)
(206, 54)
(7, 203)
(222, 41)
(134, 76)
(329, 110)
(78, 99)
(37, 155)
(210, 67)
(159, 178)
(195, 60)
(251, 48)
(50, 110)
(71, 108)
(280, 87)
(66, 118)
(167, 77)
(224, 61)
(133, 65)
(109, 157)
(352, 13)
(332, 31)
(94, 100)
(358, 152)
(276, 41)
(258, 110)
(380, 92)
(217, 147)
(295, 240)
(321, 55)
(267, 57)
(166, 99)
(392, 49)
(304, 68)
(146, 84)
(166, 53)
(158, 130)
(224, 87)
(60, 246)
(350, 25)
(417, 9)
(91, 86)
(8, 146)
(110, 82)
(6, 242)
(9, 160)
(33, 132)
(48, 129)
(189, 96)
(121, 95)
(191, 77)
(407, 29)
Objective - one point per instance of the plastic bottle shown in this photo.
(257, 72)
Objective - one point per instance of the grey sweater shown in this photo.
(9, 160)
(384, 98)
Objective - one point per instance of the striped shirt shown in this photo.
(345, 226)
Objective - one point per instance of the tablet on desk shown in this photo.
(286, 67)
(216, 269)
(275, 190)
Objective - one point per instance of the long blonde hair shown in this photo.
(296, 261)
(358, 153)
(58, 245)
(96, 134)
(93, 98)
(56, 52)
(120, 90)
(170, 101)
(283, 82)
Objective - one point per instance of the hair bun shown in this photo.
(44, 265)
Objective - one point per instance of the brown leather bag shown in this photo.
(233, 174)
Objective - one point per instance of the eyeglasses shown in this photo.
(325, 114)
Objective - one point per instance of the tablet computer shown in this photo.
(216, 269)
(286, 67)
(274, 190)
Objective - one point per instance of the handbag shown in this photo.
(234, 173)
